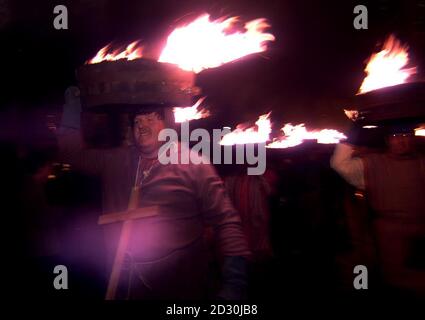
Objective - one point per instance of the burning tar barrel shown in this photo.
(390, 104)
(406, 100)
(111, 89)
(381, 109)
(135, 82)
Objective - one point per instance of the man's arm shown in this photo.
(220, 214)
(349, 167)
(70, 140)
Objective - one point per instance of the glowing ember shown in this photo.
(351, 114)
(295, 135)
(387, 67)
(131, 52)
(206, 44)
(420, 132)
(190, 113)
(256, 134)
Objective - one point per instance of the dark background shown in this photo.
(315, 63)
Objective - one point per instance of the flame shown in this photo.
(201, 44)
(329, 136)
(183, 114)
(292, 135)
(295, 135)
(420, 132)
(256, 134)
(131, 52)
(387, 67)
(206, 44)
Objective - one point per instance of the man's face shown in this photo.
(146, 130)
(401, 144)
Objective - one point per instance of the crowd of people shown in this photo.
(303, 225)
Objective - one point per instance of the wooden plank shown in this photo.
(138, 213)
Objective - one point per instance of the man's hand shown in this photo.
(235, 279)
(355, 135)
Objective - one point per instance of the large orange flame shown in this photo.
(206, 44)
(201, 44)
(256, 134)
(295, 135)
(131, 52)
(387, 67)
(183, 114)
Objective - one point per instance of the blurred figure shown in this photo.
(166, 257)
(250, 196)
(40, 221)
(394, 183)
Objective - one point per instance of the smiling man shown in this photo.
(166, 257)
(146, 128)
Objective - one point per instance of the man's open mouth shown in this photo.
(144, 133)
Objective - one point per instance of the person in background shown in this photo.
(39, 220)
(394, 184)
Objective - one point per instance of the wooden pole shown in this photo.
(133, 212)
(122, 247)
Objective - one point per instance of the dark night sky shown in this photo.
(316, 61)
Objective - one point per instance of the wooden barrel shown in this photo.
(396, 102)
(135, 82)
